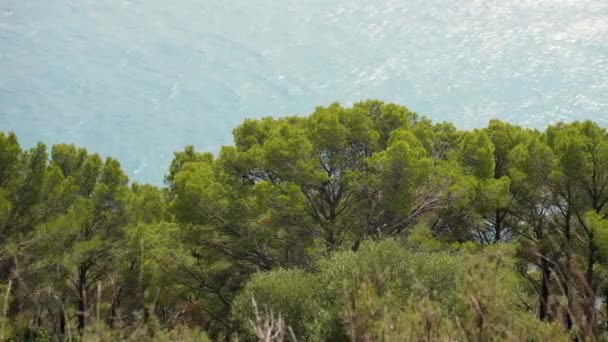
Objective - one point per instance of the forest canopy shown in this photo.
(357, 223)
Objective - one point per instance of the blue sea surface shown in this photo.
(140, 79)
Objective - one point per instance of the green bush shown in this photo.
(386, 291)
(294, 294)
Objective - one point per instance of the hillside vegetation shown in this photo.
(368, 223)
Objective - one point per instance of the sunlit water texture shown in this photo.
(139, 79)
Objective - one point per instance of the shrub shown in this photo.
(386, 291)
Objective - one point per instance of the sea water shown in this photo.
(140, 79)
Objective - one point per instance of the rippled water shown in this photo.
(139, 79)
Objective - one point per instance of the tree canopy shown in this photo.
(356, 223)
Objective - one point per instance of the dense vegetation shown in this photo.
(363, 223)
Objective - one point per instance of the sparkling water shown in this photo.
(140, 79)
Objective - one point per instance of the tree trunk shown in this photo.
(61, 324)
(543, 312)
(82, 300)
(590, 307)
(567, 269)
(114, 307)
(498, 227)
